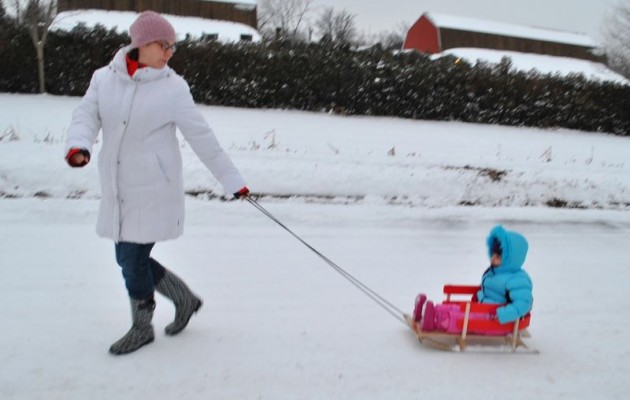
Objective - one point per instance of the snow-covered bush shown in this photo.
(337, 78)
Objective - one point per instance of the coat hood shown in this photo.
(119, 66)
(514, 246)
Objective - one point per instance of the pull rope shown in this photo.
(378, 299)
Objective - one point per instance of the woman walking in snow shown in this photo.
(138, 101)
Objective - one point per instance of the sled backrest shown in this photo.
(467, 291)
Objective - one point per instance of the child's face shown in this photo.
(495, 260)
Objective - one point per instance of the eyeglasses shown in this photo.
(166, 47)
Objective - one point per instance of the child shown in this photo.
(504, 282)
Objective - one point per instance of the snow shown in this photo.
(377, 160)
(545, 64)
(248, 2)
(277, 322)
(501, 28)
(122, 20)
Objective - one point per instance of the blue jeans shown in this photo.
(141, 272)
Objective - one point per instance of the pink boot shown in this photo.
(428, 321)
(417, 310)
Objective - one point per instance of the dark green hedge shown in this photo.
(320, 77)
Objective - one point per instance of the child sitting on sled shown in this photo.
(504, 282)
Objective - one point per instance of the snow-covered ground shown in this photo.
(370, 160)
(277, 322)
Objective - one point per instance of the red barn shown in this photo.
(434, 33)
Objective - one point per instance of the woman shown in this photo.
(138, 101)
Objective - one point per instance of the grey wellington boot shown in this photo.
(186, 303)
(141, 331)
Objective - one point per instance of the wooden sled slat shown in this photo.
(510, 343)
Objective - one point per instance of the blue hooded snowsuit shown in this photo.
(507, 283)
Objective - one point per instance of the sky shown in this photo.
(583, 16)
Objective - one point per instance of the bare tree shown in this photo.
(325, 23)
(395, 38)
(337, 26)
(285, 18)
(616, 34)
(37, 16)
(345, 27)
(392, 39)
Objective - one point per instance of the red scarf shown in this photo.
(133, 65)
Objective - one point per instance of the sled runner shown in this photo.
(485, 334)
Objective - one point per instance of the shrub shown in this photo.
(329, 77)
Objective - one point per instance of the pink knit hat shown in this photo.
(150, 27)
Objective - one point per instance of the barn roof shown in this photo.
(506, 29)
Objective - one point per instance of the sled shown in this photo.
(504, 338)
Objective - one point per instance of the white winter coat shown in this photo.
(140, 164)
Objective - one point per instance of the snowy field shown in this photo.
(382, 198)
(349, 159)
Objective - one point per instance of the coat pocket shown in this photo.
(141, 170)
(162, 167)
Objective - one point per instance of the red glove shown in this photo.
(77, 157)
(244, 192)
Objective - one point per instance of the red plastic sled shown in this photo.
(504, 336)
